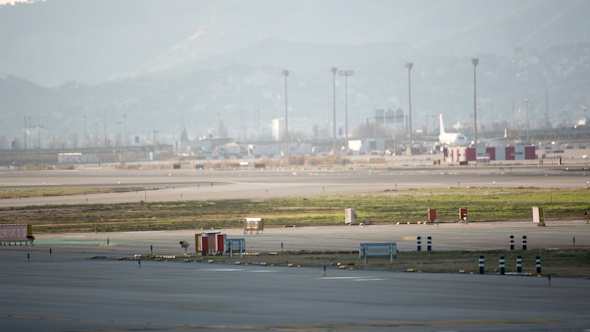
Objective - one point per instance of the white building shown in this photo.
(76, 158)
(367, 144)
(276, 130)
(193, 147)
(231, 149)
(275, 149)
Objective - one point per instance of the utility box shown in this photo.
(538, 215)
(251, 224)
(207, 243)
(203, 244)
(463, 214)
(212, 239)
(220, 243)
(349, 217)
(432, 215)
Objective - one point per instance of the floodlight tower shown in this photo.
(410, 65)
(346, 73)
(474, 61)
(286, 73)
(334, 70)
(528, 102)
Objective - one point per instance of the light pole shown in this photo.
(527, 119)
(475, 61)
(85, 137)
(105, 128)
(492, 124)
(334, 70)
(410, 65)
(286, 73)
(346, 73)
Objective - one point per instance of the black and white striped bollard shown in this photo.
(511, 242)
(419, 239)
(519, 264)
(538, 261)
(502, 265)
(429, 243)
(524, 242)
(481, 264)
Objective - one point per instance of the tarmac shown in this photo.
(185, 184)
(71, 292)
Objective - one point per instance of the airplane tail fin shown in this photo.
(442, 127)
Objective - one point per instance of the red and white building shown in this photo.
(459, 154)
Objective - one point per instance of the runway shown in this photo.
(174, 185)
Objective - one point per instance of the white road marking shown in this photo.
(223, 270)
(342, 277)
(374, 279)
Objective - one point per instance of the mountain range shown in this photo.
(162, 62)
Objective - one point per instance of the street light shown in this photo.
(346, 73)
(105, 128)
(85, 136)
(334, 70)
(286, 73)
(527, 119)
(410, 65)
(475, 61)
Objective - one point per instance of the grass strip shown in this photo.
(377, 208)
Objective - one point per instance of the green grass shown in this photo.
(560, 263)
(377, 208)
(59, 192)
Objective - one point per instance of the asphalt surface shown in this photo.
(453, 236)
(70, 292)
(55, 294)
(174, 185)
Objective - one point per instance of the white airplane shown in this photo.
(450, 139)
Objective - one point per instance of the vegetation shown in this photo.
(378, 208)
(561, 263)
(60, 192)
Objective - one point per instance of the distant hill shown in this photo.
(56, 41)
(159, 62)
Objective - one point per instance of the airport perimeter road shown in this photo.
(175, 185)
(110, 295)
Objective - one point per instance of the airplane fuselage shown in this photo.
(452, 139)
